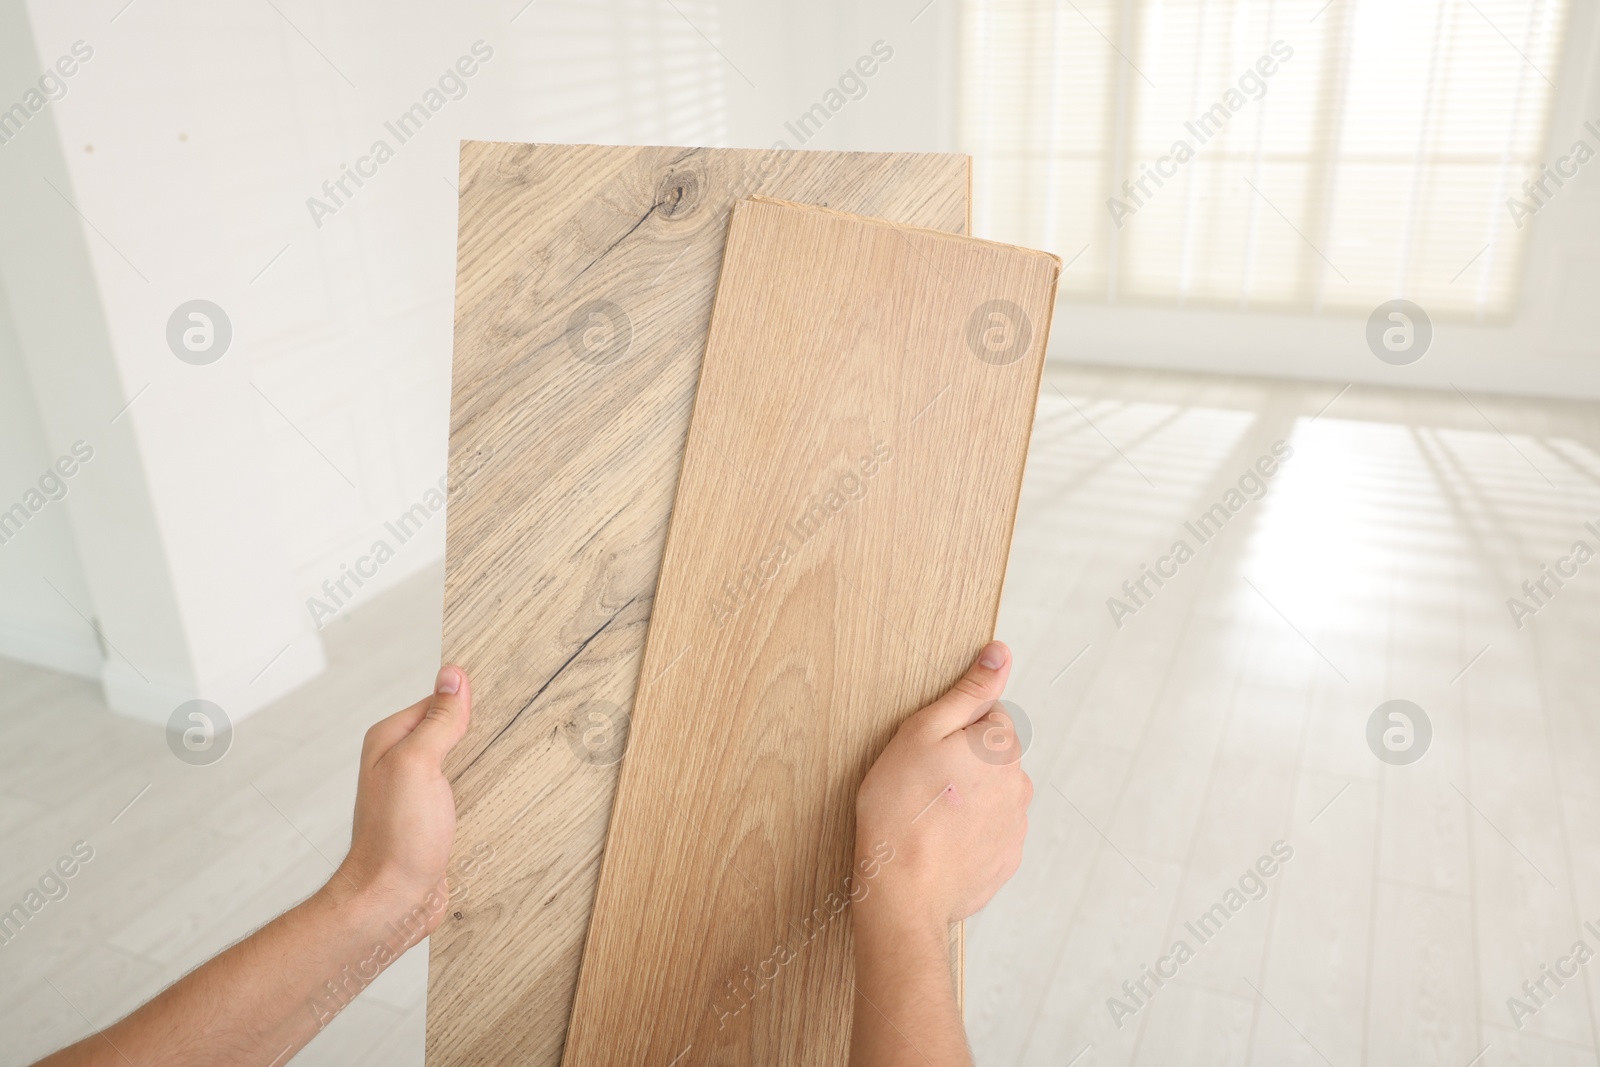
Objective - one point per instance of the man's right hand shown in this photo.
(949, 797)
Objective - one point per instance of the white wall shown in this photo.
(796, 53)
(37, 622)
(178, 475)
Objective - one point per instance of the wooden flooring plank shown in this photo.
(585, 279)
(836, 554)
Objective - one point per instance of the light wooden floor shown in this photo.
(1230, 712)
(1227, 714)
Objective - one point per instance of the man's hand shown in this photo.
(949, 796)
(263, 999)
(405, 817)
(955, 818)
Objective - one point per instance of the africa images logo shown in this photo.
(1399, 732)
(199, 732)
(199, 332)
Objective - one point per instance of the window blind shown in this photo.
(1295, 155)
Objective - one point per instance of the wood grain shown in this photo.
(567, 430)
(836, 554)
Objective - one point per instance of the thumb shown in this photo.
(972, 695)
(445, 721)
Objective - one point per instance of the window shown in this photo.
(1298, 155)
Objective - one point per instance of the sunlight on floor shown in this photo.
(1227, 710)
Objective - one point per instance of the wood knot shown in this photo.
(678, 193)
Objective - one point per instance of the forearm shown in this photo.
(263, 999)
(906, 1013)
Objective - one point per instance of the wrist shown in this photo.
(887, 929)
(904, 902)
(349, 914)
(371, 911)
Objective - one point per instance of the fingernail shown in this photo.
(992, 656)
(449, 680)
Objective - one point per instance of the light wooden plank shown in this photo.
(835, 559)
(1318, 978)
(562, 477)
(1195, 1027)
(1422, 1004)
